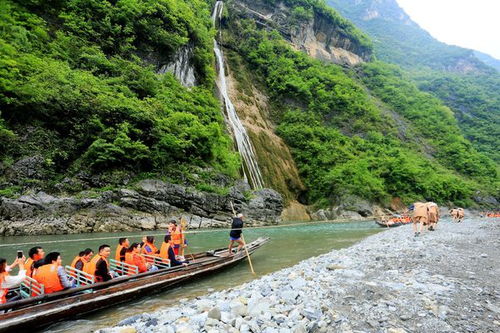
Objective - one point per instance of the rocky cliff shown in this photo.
(148, 206)
(318, 34)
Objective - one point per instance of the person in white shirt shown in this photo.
(7, 281)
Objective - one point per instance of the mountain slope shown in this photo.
(453, 74)
(368, 133)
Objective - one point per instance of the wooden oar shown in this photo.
(184, 227)
(244, 243)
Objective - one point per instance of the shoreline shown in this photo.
(444, 281)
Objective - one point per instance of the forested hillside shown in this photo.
(79, 93)
(453, 74)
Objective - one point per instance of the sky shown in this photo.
(473, 24)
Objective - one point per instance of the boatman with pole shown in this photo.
(235, 233)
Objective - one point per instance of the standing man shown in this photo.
(235, 233)
(420, 217)
(433, 215)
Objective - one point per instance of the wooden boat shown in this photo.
(46, 309)
(389, 225)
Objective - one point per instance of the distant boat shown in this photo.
(395, 221)
(389, 224)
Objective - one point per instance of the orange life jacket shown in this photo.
(153, 252)
(140, 262)
(176, 237)
(117, 253)
(129, 259)
(91, 265)
(73, 263)
(164, 250)
(3, 291)
(28, 265)
(47, 275)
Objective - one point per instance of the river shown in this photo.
(288, 246)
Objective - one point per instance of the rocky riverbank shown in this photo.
(148, 205)
(443, 281)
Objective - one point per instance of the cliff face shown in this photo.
(318, 35)
(149, 206)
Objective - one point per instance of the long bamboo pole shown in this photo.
(244, 243)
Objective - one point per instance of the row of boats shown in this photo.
(45, 309)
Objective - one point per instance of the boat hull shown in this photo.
(50, 312)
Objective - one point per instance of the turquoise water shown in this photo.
(288, 246)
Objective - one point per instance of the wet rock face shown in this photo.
(181, 66)
(149, 206)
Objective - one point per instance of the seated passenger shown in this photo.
(7, 281)
(133, 257)
(149, 247)
(99, 266)
(82, 259)
(52, 275)
(167, 252)
(35, 254)
(123, 244)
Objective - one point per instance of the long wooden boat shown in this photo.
(44, 310)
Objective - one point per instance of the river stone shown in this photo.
(225, 317)
(290, 296)
(312, 314)
(239, 310)
(204, 305)
(299, 329)
(184, 329)
(198, 320)
(214, 313)
(298, 283)
(130, 321)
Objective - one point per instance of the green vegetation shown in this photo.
(475, 101)
(453, 74)
(429, 117)
(77, 87)
(344, 143)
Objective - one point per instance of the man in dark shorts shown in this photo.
(235, 233)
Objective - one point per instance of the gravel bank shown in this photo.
(443, 281)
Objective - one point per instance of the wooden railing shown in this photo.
(81, 277)
(31, 288)
(157, 261)
(122, 268)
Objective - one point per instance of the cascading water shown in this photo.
(245, 148)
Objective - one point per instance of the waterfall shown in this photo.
(250, 166)
(181, 67)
